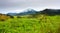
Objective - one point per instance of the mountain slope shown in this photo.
(32, 11)
(51, 11)
(27, 12)
(12, 14)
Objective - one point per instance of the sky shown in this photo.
(7, 6)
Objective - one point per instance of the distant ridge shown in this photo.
(51, 11)
(12, 14)
(27, 12)
(32, 11)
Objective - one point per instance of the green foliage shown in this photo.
(40, 24)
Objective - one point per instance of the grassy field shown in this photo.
(45, 24)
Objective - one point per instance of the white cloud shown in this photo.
(23, 4)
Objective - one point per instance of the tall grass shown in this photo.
(42, 24)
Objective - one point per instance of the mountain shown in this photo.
(34, 12)
(27, 12)
(11, 14)
(51, 11)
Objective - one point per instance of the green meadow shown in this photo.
(41, 24)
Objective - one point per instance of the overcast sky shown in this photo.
(21, 5)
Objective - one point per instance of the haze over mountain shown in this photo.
(32, 11)
(27, 12)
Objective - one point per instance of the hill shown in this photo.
(51, 11)
(27, 12)
(3, 17)
(32, 12)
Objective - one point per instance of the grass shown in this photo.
(48, 24)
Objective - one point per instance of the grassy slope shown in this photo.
(49, 24)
